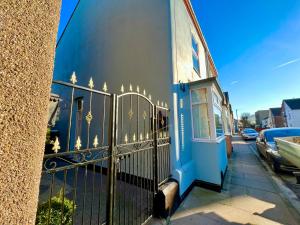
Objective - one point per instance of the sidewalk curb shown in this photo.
(286, 193)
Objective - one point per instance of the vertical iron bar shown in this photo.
(122, 125)
(143, 183)
(100, 192)
(111, 163)
(103, 119)
(63, 197)
(50, 196)
(124, 191)
(137, 186)
(130, 199)
(137, 118)
(89, 123)
(93, 195)
(120, 182)
(147, 181)
(70, 120)
(74, 193)
(155, 172)
(130, 118)
(84, 195)
(165, 163)
(150, 121)
(140, 183)
(133, 181)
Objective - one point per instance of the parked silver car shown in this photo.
(249, 134)
(267, 148)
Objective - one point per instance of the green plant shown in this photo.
(48, 140)
(58, 203)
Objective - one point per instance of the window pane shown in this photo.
(200, 121)
(194, 45)
(196, 63)
(216, 99)
(199, 95)
(218, 121)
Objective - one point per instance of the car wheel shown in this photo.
(275, 166)
(257, 149)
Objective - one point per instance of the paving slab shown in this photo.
(249, 196)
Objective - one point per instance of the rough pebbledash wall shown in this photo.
(28, 31)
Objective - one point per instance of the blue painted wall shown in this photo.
(211, 160)
(197, 160)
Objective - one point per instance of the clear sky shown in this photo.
(255, 45)
(256, 48)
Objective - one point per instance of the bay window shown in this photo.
(226, 121)
(200, 113)
(218, 121)
(217, 101)
(206, 113)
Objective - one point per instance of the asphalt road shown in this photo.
(288, 178)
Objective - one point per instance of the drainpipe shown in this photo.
(27, 46)
(175, 147)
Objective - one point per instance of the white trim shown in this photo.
(195, 53)
(210, 113)
(176, 124)
(218, 140)
(191, 111)
(212, 122)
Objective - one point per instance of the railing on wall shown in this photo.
(106, 157)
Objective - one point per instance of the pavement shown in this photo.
(251, 195)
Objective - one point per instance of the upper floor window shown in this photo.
(195, 47)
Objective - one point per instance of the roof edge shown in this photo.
(199, 31)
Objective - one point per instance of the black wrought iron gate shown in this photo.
(104, 162)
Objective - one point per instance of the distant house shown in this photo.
(291, 112)
(275, 118)
(264, 122)
(260, 116)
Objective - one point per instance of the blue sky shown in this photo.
(255, 45)
(256, 48)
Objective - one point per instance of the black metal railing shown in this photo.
(107, 159)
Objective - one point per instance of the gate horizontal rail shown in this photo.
(100, 167)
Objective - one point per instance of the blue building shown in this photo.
(158, 46)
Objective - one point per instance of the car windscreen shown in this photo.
(270, 135)
(250, 131)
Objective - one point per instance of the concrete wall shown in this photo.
(27, 44)
(118, 42)
(211, 160)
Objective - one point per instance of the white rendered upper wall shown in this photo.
(183, 29)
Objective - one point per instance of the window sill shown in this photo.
(197, 71)
(203, 140)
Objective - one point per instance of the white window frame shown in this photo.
(191, 109)
(195, 53)
(211, 119)
(217, 104)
